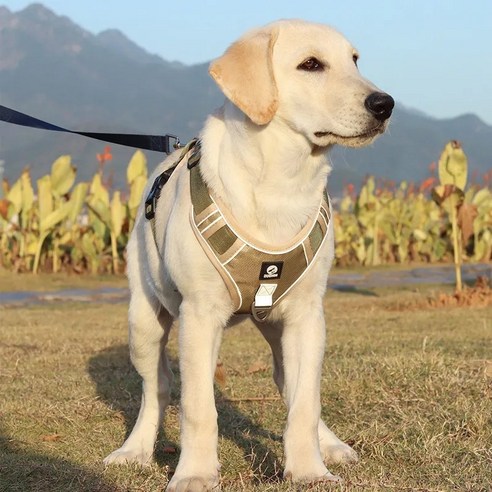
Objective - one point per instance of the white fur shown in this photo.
(271, 177)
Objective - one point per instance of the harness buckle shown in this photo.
(195, 156)
(151, 200)
(263, 302)
(155, 192)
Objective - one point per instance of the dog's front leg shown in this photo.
(332, 449)
(200, 333)
(303, 342)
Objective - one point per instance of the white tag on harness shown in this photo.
(263, 302)
(264, 295)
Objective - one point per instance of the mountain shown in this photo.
(413, 141)
(115, 41)
(54, 70)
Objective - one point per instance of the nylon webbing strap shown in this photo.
(158, 143)
(159, 182)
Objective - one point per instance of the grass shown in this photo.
(410, 388)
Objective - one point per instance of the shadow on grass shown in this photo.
(119, 385)
(352, 289)
(25, 471)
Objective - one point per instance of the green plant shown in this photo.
(85, 226)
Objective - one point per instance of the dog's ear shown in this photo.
(245, 75)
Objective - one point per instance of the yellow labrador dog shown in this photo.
(293, 90)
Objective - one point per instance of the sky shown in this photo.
(431, 55)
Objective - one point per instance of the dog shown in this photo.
(293, 90)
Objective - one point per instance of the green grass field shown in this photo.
(408, 386)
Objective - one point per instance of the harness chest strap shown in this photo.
(257, 275)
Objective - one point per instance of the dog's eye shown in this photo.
(311, 65)
(355, 58)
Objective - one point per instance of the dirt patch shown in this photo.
(480, 295)
(477, 296)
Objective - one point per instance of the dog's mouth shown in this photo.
(361, 136)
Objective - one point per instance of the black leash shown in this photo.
(158, 143)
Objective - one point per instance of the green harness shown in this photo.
(257, 275)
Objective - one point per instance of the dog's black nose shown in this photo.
(380, 105)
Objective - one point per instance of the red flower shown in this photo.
(105, 156)
(427, 184)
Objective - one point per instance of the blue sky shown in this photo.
(431, 55)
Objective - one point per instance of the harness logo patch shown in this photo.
(271, 270)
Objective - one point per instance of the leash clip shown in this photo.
(176, 145)
(263, 302)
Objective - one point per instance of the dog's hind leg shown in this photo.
(332, 449)
(150, 325)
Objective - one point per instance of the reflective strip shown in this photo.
(216, 211)
(308, 251)
(206, 223)
(232, 287)
(323, 224)
(324, 212)
(213, 227)
(232, 252)
(203, 215)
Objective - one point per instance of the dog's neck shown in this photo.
(268, 176)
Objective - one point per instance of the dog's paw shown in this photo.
(125, 456)
(312, 478)
(193, 484)
(339, 453)
(302, 470)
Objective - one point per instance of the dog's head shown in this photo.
(306, 75)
